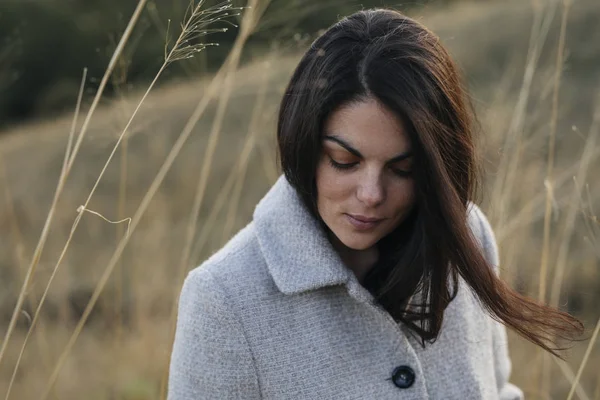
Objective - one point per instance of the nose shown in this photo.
(371, 190)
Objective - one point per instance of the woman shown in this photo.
(367, 272)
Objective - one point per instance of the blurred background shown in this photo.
(177, 144)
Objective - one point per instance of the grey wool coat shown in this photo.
(275, 314)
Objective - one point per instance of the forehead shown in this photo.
(370, 127)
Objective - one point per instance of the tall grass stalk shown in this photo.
(247, 22)
(213, 138)
(221, 199)
(551, 153)
(269, 161)
(207, 229)
(65, 173)
(506, 174)
(123, 280)
(42, 344)
(511, 160)
(123, 276)
(187, 67)
(588, 351)
(529, 212)
(255, 120)
(592, 222)
(251, 18)
(568, 373)
(67, 157)
(593, 226)
(19, 250)
(208, 226)
(197, 28)
(563, 249)
(545, 367)
(69, 151)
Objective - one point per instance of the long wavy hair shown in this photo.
(385, 55)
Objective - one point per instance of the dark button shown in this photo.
(403, 376)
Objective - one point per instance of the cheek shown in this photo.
(333, 188)
(403, 194)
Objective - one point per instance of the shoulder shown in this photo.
(483, 233)
(210, 339)
(238, 269)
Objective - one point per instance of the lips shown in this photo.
(365, 219)
(363, 223)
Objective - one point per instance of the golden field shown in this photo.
(534, 72)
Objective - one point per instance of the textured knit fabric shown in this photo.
(275, 314)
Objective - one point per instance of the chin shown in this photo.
(357, 243)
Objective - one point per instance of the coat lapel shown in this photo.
(297, 252)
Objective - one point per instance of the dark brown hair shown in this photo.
(394, 59)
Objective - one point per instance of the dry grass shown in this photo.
(198, 157)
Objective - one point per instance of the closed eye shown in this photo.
(341, 166)
(401, 173)
(346, 166)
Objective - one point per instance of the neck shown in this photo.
(360, 262)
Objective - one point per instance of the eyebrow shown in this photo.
(355, 152)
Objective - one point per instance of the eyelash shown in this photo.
(346, 167)
(342, 167)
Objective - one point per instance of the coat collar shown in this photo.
(298, 254)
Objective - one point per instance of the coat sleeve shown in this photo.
(502, 361)
(211, 358)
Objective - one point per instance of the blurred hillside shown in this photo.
(122, 351)
(45, 44)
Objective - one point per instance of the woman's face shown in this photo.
(364, 176)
